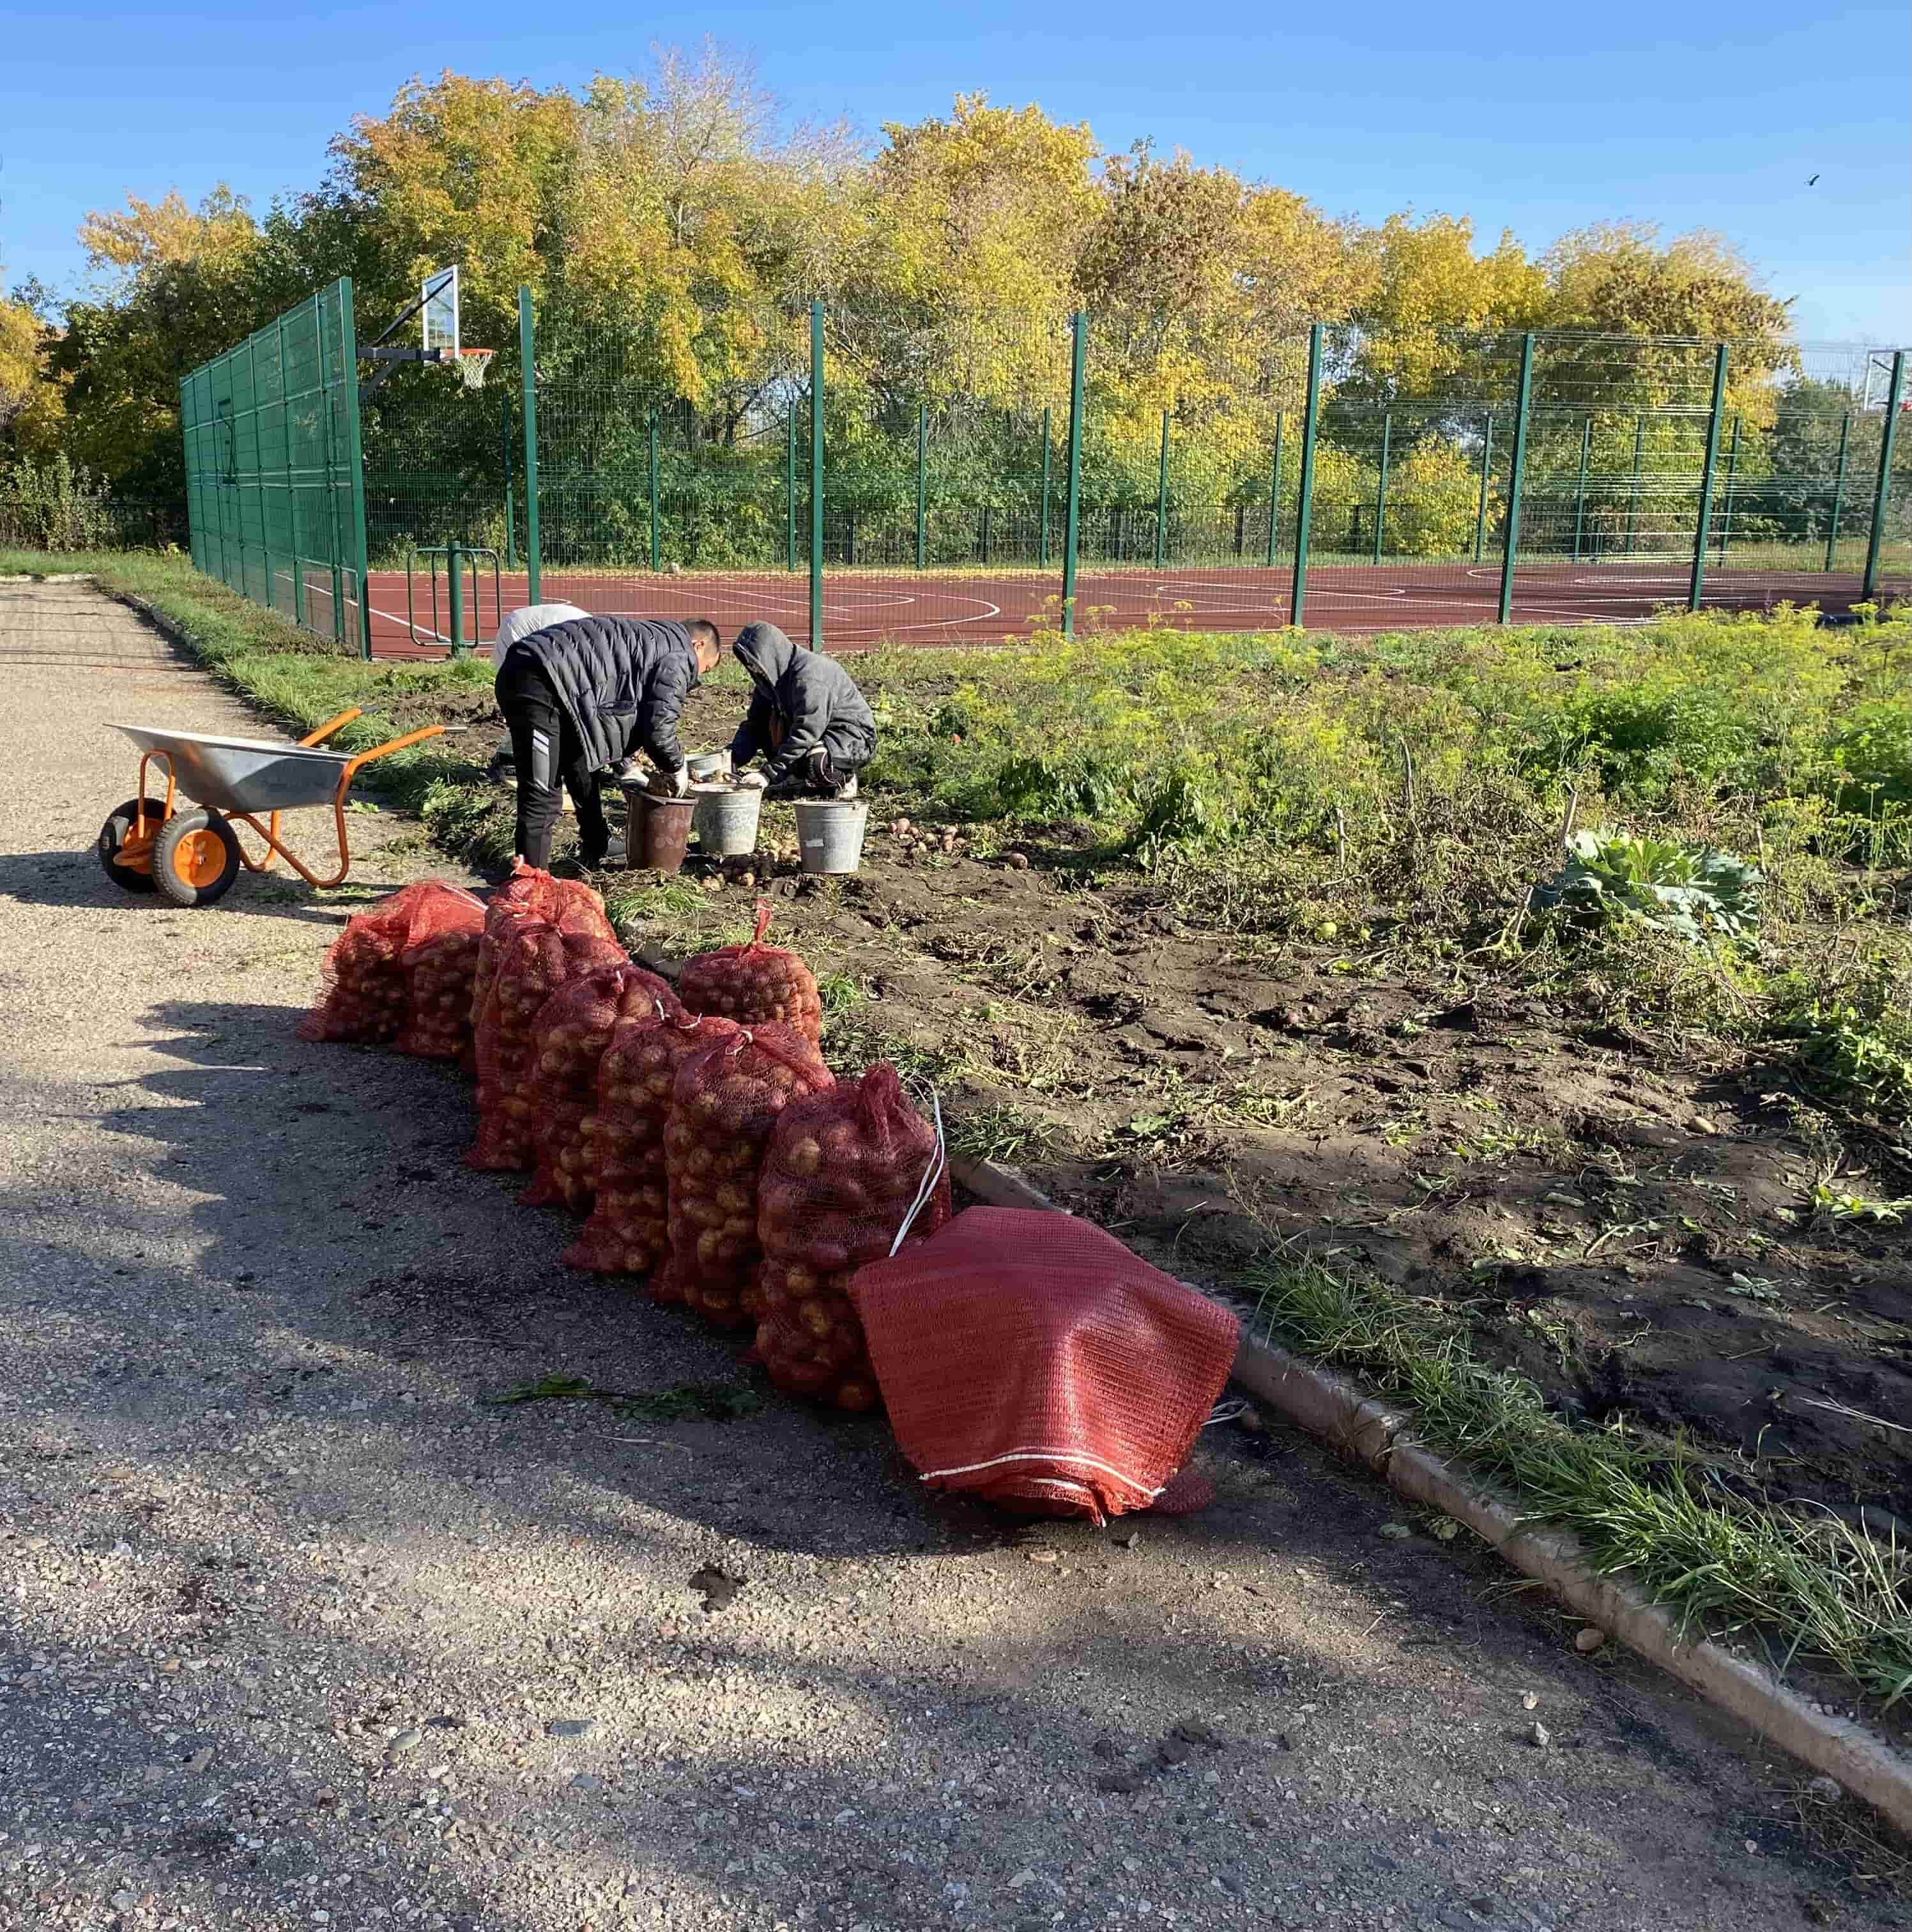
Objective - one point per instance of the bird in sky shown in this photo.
(1814, 182)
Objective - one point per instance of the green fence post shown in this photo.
(1517, 476)
(1274, 491)
(332, 545)
(1580, 489)
(292, 492)
(657, 547)
(504, 452)
(1732, 468)
(1839, 487)
(1310, 431)
(355, 458)
(1705, 528)
(1882, 497)
(1381, 490)
(1633, 494)
(1486, 472)
(789, 489)
(1072, 515)
(922, 482)
(1043, 555)
(817, 476)
(1162, 495)
(528, 399)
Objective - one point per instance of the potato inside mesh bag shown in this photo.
(725, 1105)
(535, 958)
(629, 1230)
(840, 1176)
(366, 1000)
(569, 1037)
(753, 983)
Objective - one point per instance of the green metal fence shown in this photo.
(274, 482)
(858, 476)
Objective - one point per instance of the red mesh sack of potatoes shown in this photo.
(840, 1178)
(724, 1105)
(366, 1001)
(753, 983)
(534, 958)
(1028, 1358)
(438, 972)
(629, 1230)
(569, 1037)
(529, 893)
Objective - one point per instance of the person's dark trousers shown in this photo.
(824, 771)
(547, 751)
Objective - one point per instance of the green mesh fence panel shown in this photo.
(272, 467)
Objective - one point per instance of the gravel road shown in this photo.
(296, 1629)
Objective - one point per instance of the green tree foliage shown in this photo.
(673, 230)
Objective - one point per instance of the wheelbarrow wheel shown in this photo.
(114, 836)
(195, 858)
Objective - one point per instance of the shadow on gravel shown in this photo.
(76, 879)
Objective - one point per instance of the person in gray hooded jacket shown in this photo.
(807, 721)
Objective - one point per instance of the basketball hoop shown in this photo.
(471, 365)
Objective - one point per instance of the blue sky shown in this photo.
(1522, 119)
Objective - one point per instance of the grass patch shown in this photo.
(1803, 1586)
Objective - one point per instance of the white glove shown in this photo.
(753, 781)
(671, 785)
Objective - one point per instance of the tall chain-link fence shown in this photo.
(858, 476)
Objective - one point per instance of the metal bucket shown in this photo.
(656, 831)
(725, 821)
(830, 833)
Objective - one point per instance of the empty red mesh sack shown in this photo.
(569, 1037)
(629, 1230)
(842, 1172)
(1030, 1359)
(366, 1001)
(534, 958)
(753, 983)
(725, 1105)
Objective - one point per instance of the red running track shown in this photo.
(861, 609)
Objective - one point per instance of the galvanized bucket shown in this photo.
(725, 821)
(830, 834)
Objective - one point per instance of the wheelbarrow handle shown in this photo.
(325, 731)
(354, 766)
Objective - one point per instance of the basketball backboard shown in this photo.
(438, 293)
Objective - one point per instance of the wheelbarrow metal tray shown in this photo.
(244, 774)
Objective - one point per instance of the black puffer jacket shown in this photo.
(799, 699)
(622, 680)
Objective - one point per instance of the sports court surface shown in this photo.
(861, 611)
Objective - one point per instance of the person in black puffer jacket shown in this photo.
(587, 695)
(807, 720)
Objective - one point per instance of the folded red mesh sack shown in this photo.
(842, 1174)
(753, 983)
(1028, 1358)
(724, 1103)
(534, 958)
(629, 1230)
(569, 1037)
(366, 1001)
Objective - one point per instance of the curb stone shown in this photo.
(1334, 1410)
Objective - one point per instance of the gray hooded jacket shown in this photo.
(799, 699)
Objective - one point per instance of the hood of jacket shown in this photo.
(766, 653)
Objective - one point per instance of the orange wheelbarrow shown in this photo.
(193, 857)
